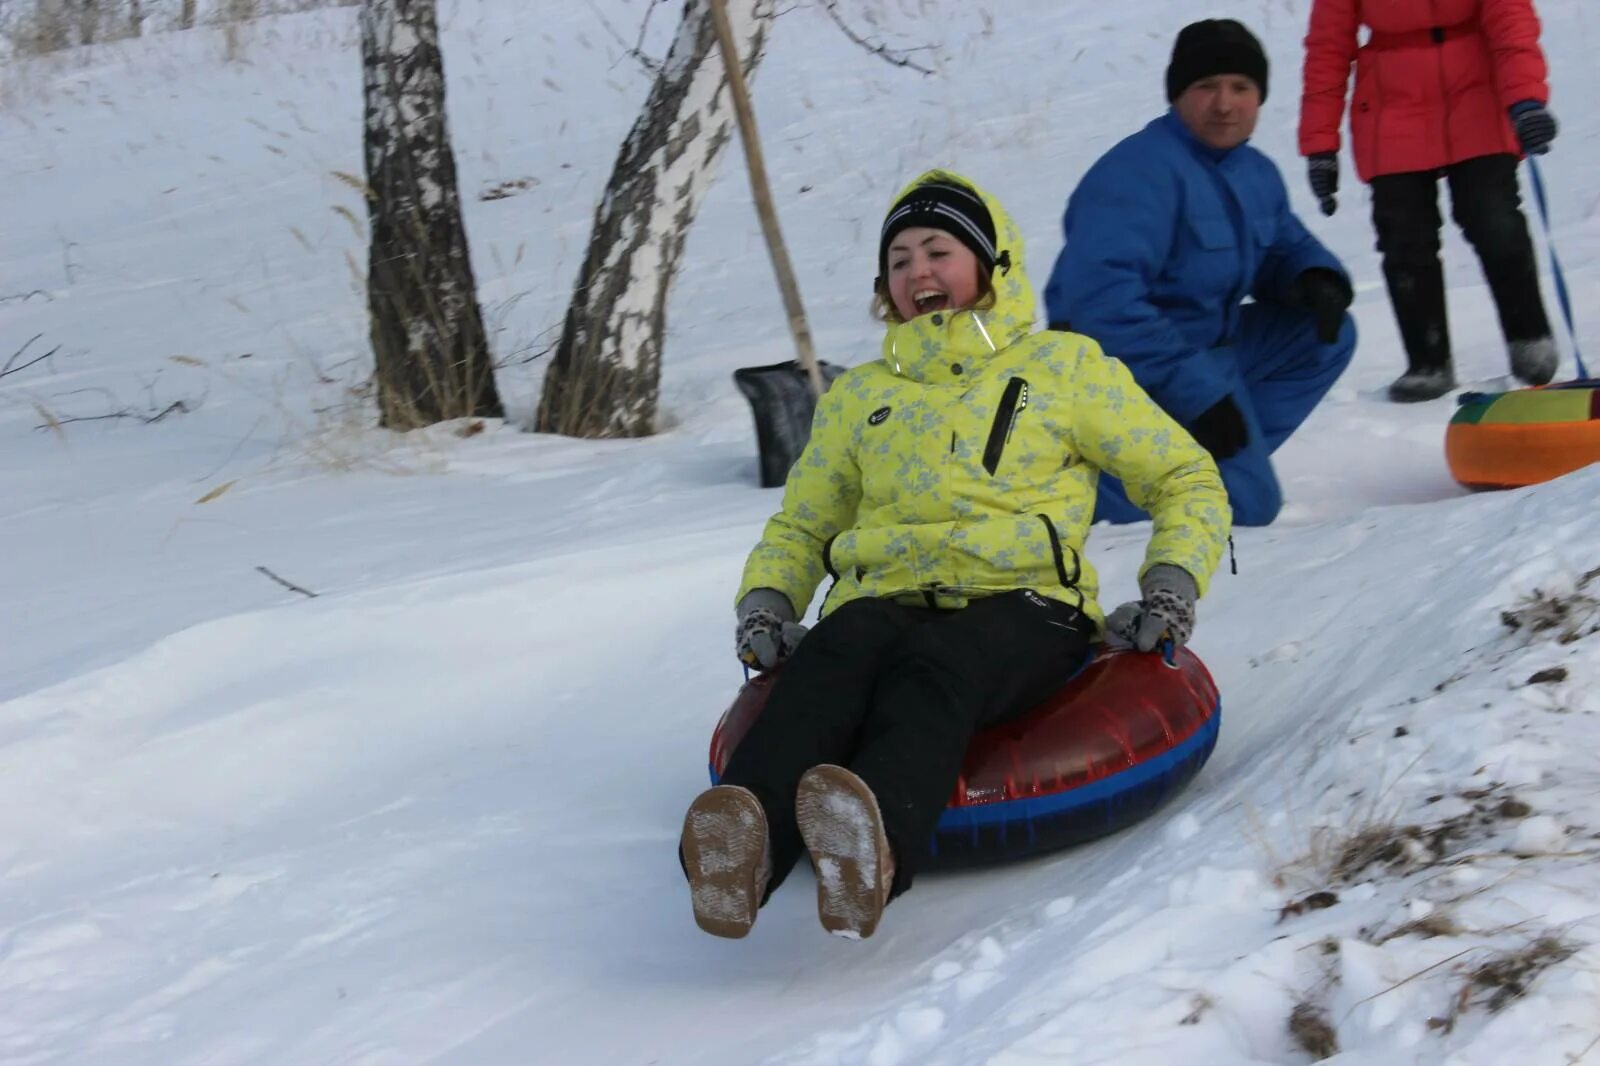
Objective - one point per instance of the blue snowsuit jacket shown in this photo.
(1165, 238)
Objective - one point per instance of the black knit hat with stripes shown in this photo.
(943, 205)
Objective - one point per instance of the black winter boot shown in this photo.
(1488, 206)
(1428, 383)
(1416, 290)
(1405, 213)
(1535, 361)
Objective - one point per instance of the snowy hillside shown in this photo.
(428, 815)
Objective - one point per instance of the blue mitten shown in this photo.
(767, 633)
(1166, 611)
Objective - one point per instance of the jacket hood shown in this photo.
(928, 345)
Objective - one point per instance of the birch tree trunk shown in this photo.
(605, 377)
(428, 342)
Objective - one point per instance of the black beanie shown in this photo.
(1215, 46)
(942, 205)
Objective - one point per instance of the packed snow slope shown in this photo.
(429, 813)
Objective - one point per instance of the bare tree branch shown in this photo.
(651, 65)
(290, 585)
(896, 57)
(175, 407)
(644, 24)
(9, 369)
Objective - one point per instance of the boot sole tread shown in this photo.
(724, 846)
(843, 830)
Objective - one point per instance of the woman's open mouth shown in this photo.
(930, 300)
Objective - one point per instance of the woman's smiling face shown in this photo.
(929, 270)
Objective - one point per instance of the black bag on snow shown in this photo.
(780, 397)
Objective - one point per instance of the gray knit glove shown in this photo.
(767, 633)
(1166, 610)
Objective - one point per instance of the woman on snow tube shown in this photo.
(947, 488)
(1124, 736)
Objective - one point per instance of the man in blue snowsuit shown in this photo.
(1166, 236)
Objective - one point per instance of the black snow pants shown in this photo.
(895, 693)
(1486, 204)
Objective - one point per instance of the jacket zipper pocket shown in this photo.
(1012, 402)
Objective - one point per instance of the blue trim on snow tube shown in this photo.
(1014, 829)
(1056, 803)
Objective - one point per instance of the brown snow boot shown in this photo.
(728, 859)
(843, 830)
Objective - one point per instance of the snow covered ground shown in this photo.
(429, 814)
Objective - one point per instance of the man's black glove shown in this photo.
(1323, 170)
(1535, 126)
(1326, 295)
(1220, 429)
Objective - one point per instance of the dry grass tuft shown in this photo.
(1504, 978)
(1439, 923)
(1313, 1031)
(1567, 617)
(502, 190)
(1198, 1006)
(1395, 848)
(1316, 901)
(1507, 976)
(1347, 856)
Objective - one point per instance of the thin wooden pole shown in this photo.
(763, 196)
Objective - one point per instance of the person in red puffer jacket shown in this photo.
(1443, 87)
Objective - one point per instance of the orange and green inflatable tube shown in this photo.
(1506, 440)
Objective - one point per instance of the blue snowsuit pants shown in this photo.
(1284, 372)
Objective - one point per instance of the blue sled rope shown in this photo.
(1555, 262)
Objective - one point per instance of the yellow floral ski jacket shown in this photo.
(964, 463)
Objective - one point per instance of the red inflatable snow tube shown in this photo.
(1119, 740)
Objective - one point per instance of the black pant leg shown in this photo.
(1405, 215)
(992, 660)
(1487, 205)
(814, 713)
